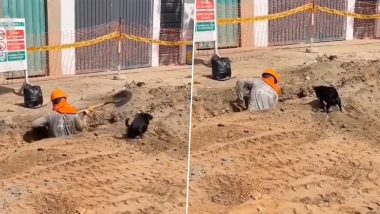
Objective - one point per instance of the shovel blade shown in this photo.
(121, 98)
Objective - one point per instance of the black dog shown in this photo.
(138, 126)
(329, 95)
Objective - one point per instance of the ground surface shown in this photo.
(292, 159)
(99, 171)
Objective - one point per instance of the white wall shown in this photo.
(68, 28)
(187, 30)
(377, 27)
(350, 20)
(156, 32)
(261, 28)
(61, 29)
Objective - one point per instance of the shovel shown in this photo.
(119, 99)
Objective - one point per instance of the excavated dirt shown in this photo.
(294, 158)
(98, 170)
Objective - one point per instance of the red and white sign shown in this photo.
(17, 45)
(205, 21)
(205, 15)
(13, 50)
(205, 4)
(15, 34)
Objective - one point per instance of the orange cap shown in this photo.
(58, 94)
(274, 73)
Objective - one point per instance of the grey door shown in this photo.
(330, 27)
(365, 28)
(290, 30)
(95, 18)
(171, 24)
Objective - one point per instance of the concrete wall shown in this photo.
(61, 29)
(350, 20)
(247, 30)
(156, 32)
(261, 28)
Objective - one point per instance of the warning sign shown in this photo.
(205, 22)
(3, 46)
(205, 4)
(205, 15)
(2, 34)
(13, 55)
(16, 56)
(16, 45)
(3, 56)
(15, 34)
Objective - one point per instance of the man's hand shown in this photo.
(240, 104)
(88, 111)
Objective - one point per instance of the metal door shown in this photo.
(290, 30)
(95, 18)
(365, 28)
(228, 36)
(171, 24)
(330, 27)
(34, 13)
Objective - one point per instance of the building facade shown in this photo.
(57, 22)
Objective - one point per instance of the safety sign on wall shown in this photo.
(13, 55)
(205, 21)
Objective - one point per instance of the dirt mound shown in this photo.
(342, 75)
(302, 159)
(338, 74)
(212, 102)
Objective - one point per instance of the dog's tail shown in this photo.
(127, 122)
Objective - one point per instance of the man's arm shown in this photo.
(80, 124)
(242, 86)
(42, 121)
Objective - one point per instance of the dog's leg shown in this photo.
(322, 104)
(340, 104)
(328, 107)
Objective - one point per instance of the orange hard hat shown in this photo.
(273, 73)
(58, 94)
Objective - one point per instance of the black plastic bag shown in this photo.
(221, 68)
(32, 96)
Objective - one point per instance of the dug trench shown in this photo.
(99, 169)
(293, 157)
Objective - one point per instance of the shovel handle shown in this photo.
(95, 106)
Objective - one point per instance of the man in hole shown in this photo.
(263, 92)
(63, 120)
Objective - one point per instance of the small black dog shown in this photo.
(138, 126)
(329, 95)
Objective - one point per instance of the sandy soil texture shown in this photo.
(292, 159)
(99, 171)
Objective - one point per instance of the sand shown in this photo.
(294, 158)
(99, 171)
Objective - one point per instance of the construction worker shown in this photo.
(64, 119)
(263, 93)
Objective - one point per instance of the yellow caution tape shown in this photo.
(75, 45)
(156, 42)
(345, 13)
(281, 15)
(114, 35)
(274, 16)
